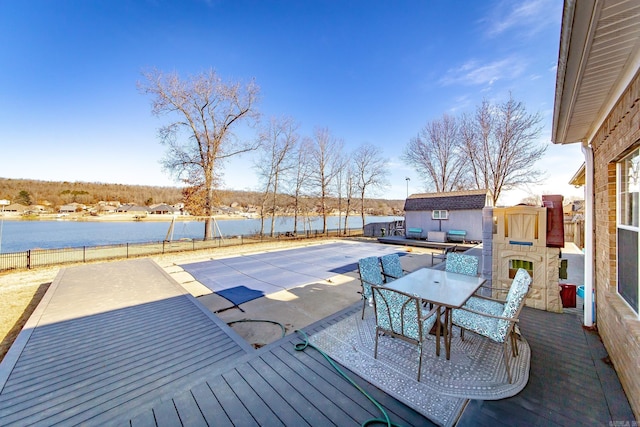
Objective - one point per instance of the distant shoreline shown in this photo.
(116, 218)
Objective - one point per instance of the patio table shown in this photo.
(442, 288)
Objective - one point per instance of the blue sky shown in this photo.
(370, 71)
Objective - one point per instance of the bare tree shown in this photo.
(325, 155)
(342, 175)
(350, 188)
(500, 144)
(435, 154)
(278, 141)
(300, 180)
(204, 111)
(371, 172)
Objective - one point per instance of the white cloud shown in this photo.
(460, 103)
(527, 18)
(474, 72)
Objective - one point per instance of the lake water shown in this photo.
(19, 236)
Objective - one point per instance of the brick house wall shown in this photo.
(618, 324)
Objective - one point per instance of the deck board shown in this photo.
(232, 405)
(292, 397)
(209, 406)
(286, 413)
(188, 410)
(252, 400)
(311, 388)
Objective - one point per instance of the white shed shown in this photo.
(433, 216)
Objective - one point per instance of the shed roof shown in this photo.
(455, 200)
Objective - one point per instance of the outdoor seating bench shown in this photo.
(456, 235)
(414, 233)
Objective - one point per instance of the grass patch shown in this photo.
(16, 306)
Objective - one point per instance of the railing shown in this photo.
(35, 258)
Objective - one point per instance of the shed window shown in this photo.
(440, 214)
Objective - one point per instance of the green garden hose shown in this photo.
(386, 421)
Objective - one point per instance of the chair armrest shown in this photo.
(489, 298)
(431, 312)
(368, 283)
(395, 277)
(480, 313)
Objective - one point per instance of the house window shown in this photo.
(440, 214)
(628, 228)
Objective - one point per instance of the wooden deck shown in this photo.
(164, 361)
(106, 341)
(570, 385)
(279, 386)
(570, 382)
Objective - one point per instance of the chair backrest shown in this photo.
(397, 312)
(391, 266)
(464, 264)
(370, 274)
(515, 300)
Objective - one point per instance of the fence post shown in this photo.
(84, 254)
(29, 259)
(163, 247)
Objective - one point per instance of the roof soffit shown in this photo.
(599, 55)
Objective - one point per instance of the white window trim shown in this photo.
(623, 227)
(440, 211)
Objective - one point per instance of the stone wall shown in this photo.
(617, 323)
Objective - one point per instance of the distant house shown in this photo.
(37, 208)
(435, 214)
(114, 203)
(162, 209)
(16, 208)
(134, 209)
(71, 207)
(105, 209)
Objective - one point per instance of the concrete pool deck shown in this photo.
(294, 308)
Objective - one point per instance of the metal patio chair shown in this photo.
(484, 317)
(391, 267)
(463, 264)
(370, 275)
(442, 256)
(400, 315)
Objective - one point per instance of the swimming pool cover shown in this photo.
(247, 277)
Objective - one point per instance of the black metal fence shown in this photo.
(35, 258)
